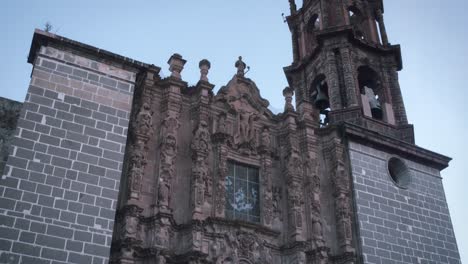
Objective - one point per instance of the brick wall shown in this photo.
(58, 193)
(401, 225)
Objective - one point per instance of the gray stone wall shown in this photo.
(9, 113)
(58, 193)
(398, 225)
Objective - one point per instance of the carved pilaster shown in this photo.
(397, 98)
(350, 83)
(333, 81)
(221, 160)
(171, 109)
(142, 130)
(342, 195)
(130, 233)
(266, 174)
(383, 31)
(293, 172)
(201, 180)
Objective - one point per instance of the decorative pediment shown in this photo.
(242, 94)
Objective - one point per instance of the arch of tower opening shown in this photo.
(356, 19)
(371, 93)
(311, 27)
(320, 97)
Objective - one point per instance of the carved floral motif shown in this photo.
(202, 183)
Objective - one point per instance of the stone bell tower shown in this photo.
(380, 187)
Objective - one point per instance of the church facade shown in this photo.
(110, 162)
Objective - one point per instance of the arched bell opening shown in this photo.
(371, 92)
(314, 23)
(357, 20)
(320, 97)
(311, 27)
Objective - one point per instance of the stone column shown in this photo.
(333, 81)
(131, 206)
(350, 83)
(293, 173)
(172, 100)
(266, 174)
(220, 180)
(397, 98)
(383, 31)
(342, 194)
(201, 191)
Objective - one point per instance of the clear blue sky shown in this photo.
(433, 35)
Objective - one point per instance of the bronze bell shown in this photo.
(376, 108)
(321, 99)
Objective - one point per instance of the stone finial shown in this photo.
(176, 65)
(288, 93)
(240, 65)
(205, 66)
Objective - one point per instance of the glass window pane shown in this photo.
(242, 193)
(241, 172)
(253, 175)
(230, 169)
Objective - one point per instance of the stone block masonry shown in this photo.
(401, 225)
(58, 193)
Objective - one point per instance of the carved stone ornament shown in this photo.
(277, 197)
(168, 155)
(202, 183)
(242, 97)
(142, 131)
(239, 247)
(201, 140)
(144, 122)
(265, 140)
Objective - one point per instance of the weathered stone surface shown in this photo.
(9, 114)
(218, 178)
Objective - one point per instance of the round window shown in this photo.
(399, 172)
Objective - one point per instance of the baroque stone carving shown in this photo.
(221, 180)
(277, 197)
(169, 129)
(239, 247)
(142, 130)
(202, 182)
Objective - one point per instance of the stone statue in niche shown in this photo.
(277, 196)
(344, 220)
(201, 139)
(221, 124)
(130, 227)
(169, 149)
(163, 191)
(161, 259)
(144, 122)
(246, 117)
(296, 201)
(265, 138)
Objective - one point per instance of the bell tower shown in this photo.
(345, 67)
(371, 177)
